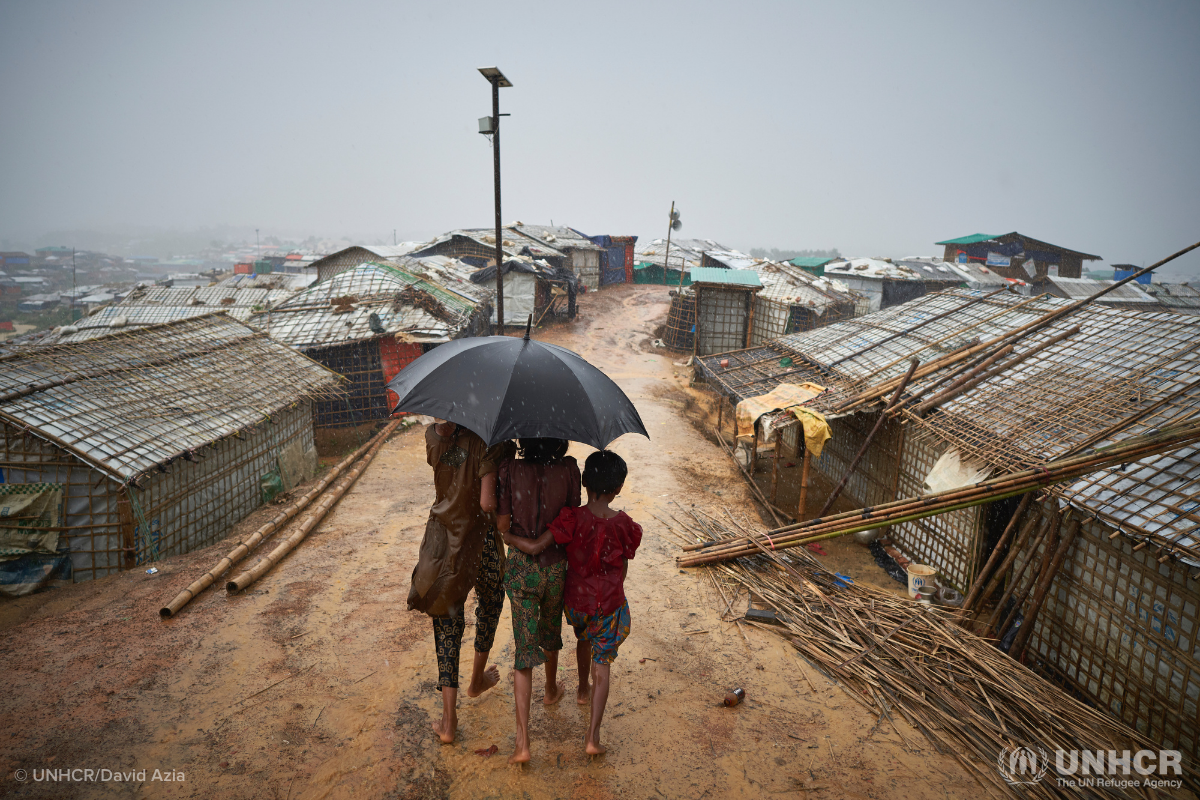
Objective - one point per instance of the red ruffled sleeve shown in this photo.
(563, 525)
(631, 535)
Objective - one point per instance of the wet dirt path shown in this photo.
(317, 683)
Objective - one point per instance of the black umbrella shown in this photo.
(504, 388)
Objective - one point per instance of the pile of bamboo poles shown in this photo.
(908, 509)
(903, 660)
(363, 455)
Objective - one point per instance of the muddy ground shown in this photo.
(317, 683)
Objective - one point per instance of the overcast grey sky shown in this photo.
(875, 127)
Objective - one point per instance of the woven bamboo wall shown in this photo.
(91, 514)
(1120, 629)
(873, 480)
(193, 504)
(360, 363)
(110, 527)
(950, 542)
(722, 315)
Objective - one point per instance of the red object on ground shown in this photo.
(815, 547)
(6, 325)
(487, 751)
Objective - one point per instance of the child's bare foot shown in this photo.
(489, 678)
(584, 695)
(593, 748)
(553, 693)
(520, 755)
(445, 729)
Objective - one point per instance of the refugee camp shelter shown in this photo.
(889, 282)
(812, 264)
(151, 442)
(579, 253)
(724, 308)
(1016, 255)
(616, 258)
(791, 300)
(328, 266)
(651, 260)
(1120, 626)
(477, 247)
(370, 321)
(532, 287)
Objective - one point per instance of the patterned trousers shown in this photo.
(448, 630)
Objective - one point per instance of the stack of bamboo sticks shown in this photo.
(908, 509)
(902, 659)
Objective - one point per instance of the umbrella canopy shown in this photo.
(505, 388)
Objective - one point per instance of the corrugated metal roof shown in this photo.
(727, 277)
(149, 394)
(311, 318)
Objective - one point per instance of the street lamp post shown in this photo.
(492, 125)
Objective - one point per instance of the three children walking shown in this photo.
(562, 556)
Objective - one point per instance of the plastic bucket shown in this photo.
(918, 576)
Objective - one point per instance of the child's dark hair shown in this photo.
(604, 472)
(543, 451)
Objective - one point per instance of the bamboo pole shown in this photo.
(1043, 587)
(1047, 535)
(272, 525)
(992, 489)
(982, 578)
(775, 467)
(862, 451)
(952, 500)
(750, 481)
(997, 577)
(971, 381)
(318, 513)
(801, 507)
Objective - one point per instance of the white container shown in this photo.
(919, 575)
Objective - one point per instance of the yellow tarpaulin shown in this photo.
(787, 396)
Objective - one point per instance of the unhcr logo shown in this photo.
(1022, 765)
(1091, 768)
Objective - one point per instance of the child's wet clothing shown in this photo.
(597, 550)
(535, 595)
(604, 634)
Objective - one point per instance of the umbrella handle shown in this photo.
(528, 325)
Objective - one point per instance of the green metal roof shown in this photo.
(810, 261)
(731, 277)
(974, 238)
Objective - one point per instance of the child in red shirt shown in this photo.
(599, 541)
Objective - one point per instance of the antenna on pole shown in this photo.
(74, 288)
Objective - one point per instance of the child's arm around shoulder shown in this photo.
(563, 526)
